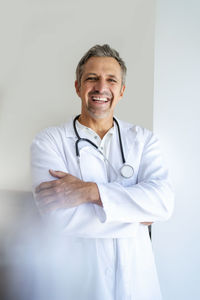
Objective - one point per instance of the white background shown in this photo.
(177, 122)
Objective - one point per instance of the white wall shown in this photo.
(177, 122)
(41, 44)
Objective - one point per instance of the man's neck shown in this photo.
(100, 126)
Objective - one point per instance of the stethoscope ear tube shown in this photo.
(77, 150)
(74, 125)
(120, 141)
(86, 140)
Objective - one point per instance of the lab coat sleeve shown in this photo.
(45, 155)
(150, 199)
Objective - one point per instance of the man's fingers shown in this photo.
(45, 185)
(52, 183)
(146, 223)
(57, 174)
(45, 193)
(45, 201)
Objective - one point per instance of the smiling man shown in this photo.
(103, 180)
(100, 88)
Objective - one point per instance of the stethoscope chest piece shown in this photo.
(127, 171)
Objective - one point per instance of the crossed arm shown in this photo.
(149, 200)
(67, 191)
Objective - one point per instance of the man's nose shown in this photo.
(101, 85)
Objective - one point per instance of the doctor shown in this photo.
(104, 189)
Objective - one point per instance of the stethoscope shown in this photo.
(126, 170)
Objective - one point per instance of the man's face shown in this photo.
(100, 88)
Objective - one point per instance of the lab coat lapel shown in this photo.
(92, 165)
(129, 137)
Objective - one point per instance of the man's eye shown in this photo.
(91, 78)
(112, 80)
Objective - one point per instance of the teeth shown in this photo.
(99, 99)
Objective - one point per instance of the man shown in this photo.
(101, 204)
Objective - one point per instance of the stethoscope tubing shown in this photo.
(126, 170)
(93, 144)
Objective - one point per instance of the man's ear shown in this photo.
(122, 91)
(77, 88)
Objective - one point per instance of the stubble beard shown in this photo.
(95, 114)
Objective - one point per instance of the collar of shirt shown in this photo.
(88, 133)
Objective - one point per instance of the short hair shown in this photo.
(100, 51)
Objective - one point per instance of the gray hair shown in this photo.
(100, 51)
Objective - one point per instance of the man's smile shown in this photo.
(99, 99)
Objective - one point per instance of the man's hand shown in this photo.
(146, 223)
(65, 192)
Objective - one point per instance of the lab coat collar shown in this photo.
(69, 129)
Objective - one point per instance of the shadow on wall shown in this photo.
(34, 263)
(19, 220)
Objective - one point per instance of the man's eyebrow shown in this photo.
(87, 74)
(95, 74)
(113, 76)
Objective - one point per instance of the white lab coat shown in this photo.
(109, 250)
